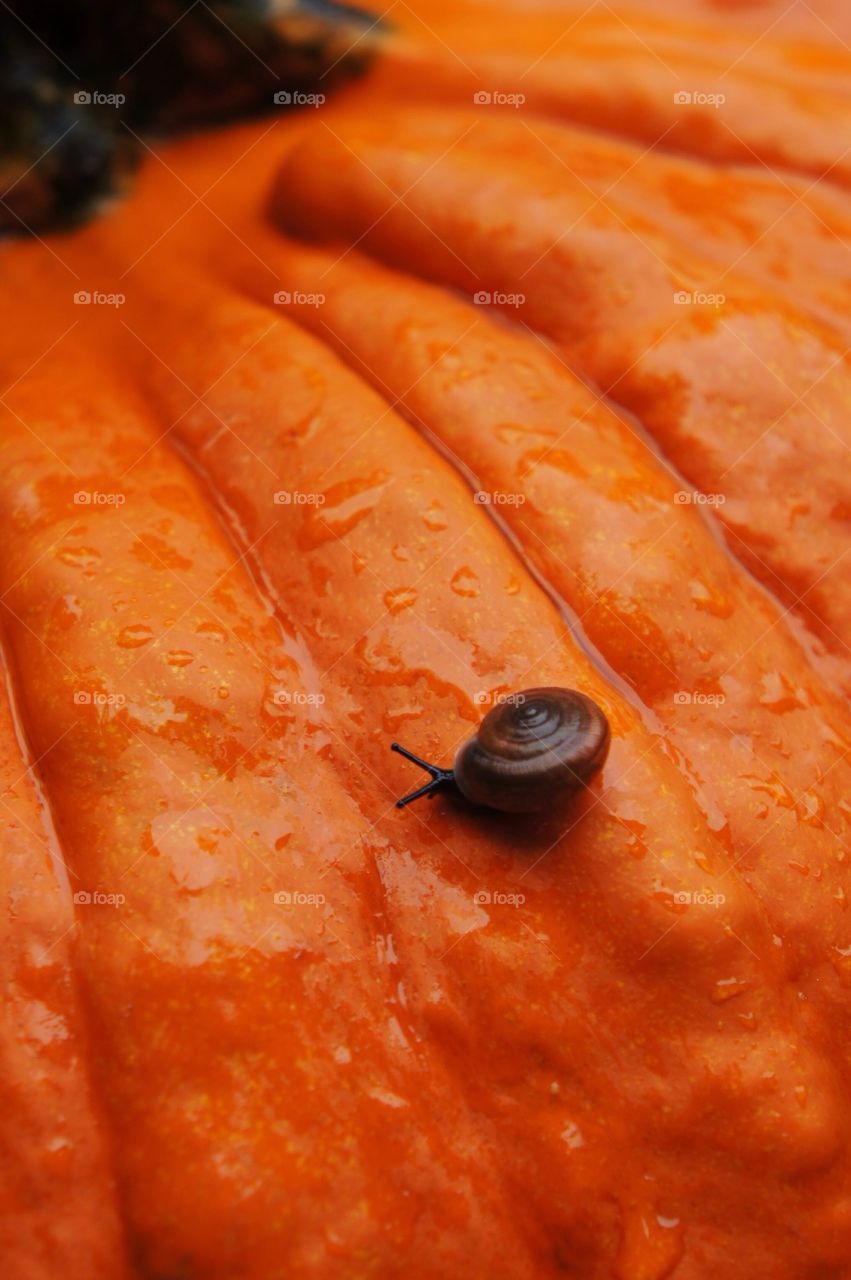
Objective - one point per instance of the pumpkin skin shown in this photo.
(605, 1080)
(606, 295)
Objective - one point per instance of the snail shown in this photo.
(539, 746)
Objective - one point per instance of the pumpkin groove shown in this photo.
(585, 471)
(272, 374)
(708, 386)
(789, 236)
(432, 354)
(757, 808)
(57, 1196)
(787, 103)
(195, 953)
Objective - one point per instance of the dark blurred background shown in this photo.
(82, 81)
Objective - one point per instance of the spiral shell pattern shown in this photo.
(532, 751)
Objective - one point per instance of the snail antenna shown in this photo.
(439, 777)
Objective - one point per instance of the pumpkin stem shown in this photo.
(439, 777)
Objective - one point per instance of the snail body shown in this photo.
(541, 746)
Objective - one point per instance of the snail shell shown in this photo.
(543, 745)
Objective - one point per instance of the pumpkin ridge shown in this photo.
(157, 1126)
(55, 1148)
(618, 331)
(270, 374)
(381, 319)
(833, 669)
(599, 79)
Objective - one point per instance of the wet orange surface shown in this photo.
(299, 490)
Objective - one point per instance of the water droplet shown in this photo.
(133, 637)
(223, 691)
(212, 630)
(433, 517)
(399, 599)
(572, 1137)
(510, 432)
(384, 1095)
(299, 429)
(670, 900)
(727, 988)
(179, 657)
(651, 1244)
(342, 507)
(559, 459)
(381, 659)
(465, 582)
(841, 961)
(810, 809)
(65, 612)
(779, 695)
(772, 786)
(710, 600)
(636, 846)
(79, 557)
(395, 717)
(157, 553)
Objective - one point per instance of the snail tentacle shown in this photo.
(439, 777)
(529, 753)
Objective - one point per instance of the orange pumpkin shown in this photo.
(373, 418)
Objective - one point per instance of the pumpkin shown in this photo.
(284, 490)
